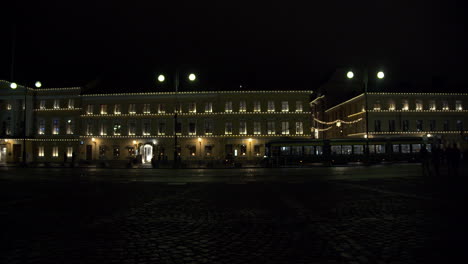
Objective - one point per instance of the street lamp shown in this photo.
(95, 147)
(380, 75)
(13, 85)
(199, 141)
(38, 84)
(161, 78)
(350, 75)
(250, 147)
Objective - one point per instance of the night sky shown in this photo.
(271, 45)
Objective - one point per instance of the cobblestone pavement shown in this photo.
(394, 219)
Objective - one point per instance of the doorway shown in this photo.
(16, 152)
(89, 152)
(146, 153)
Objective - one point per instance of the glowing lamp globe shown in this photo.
(350, 75)
(38, 84)
(13, 85)
(192, 77)
(161, 78)
(380, 75)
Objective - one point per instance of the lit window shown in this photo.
(208, 107)
(285, 128)
(192, 107)
(55, 152)
(146, 128)
(162, 129)
(257, 106)
(192, 129)
(131, 128)
(103, 109)
(55, 127)
(257, 128)
(178, 108)
(69, 127)
(445, 105)
(271, 130)
(228, 128)
(298, 106)
(41, 127)
(228, 107)
(56, 104)
(103, 129)
(42, 104)
(243, 128)
(71, 103)
(8, 106)
(377, 105)
(458, 105)
(419, 105)
(208, 127)
(117, 110)
(69, 152)
(284, 106)
(161, 108)
(242, 106)
(40, 151)
(391, 105)
(117, 129)
(271, 106)
(404, 105)
(432, 105)
(89, 128)
(132, 109)
(146, 108)
(90, 109)
(299, 128)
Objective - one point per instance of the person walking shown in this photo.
(425, 161)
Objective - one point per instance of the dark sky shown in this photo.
(270, 45)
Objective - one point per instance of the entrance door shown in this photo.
(3, 151)
(16, 152)
(89, 152)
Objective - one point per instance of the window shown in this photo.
(192, 128)
(419, 125)
(271, 106)
(90, 109)
(242, 106)
(257, 150)
(228, 128)
(103, 129)
(298, 106)
(405, 126)
(56, 104)
(416, 148)
(243, 150)
(131, 128)
(69, 127)
(117, 129)
(257, 106)
(55, 127)
(432, 105)
(55, 152)
(192, 150)
(377, 126)
(41, 127)
(103, 109)
(458, 105)
(116, 152)
(208, 150)
(284, 106)
(42, 104)
(346, 149)
(131, 109)
(71, 103)
(404, 105)
(459, 125)
(391, 105)
(69, 152)
(445, 105)
(377, 105)
(419, 105)
(271, 128)
(208, 127)
(243, 128)
(228, 107)
(117, 110)
(299, 128)
(8, 106)
(178, 108)
(192, 107)
(432, 125)
(161, 108)
(358, 149)
(285, 128)
(40, 151)
(391, 125)
(162, 129)
(208, 107)
(146, 127)
(89, 128)
(178, 128)
(257, 128)
(146, 109)
(446, 125)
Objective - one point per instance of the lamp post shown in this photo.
(365, 80)
(95, 146)
(250, 147)
(199, 142)
(161, 78)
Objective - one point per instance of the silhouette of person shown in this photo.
(436, 156)
(425, 161)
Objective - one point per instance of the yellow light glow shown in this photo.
(38, 84)
(13, 85)
(161, 78)
(199, 139)
(380, 75)
(192, 77)
(93, 139)
(350, 75)
(250, 140)
(134, 142)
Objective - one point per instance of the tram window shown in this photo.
(379, 149)
(396, 148)
(429, 147)
(297, 150)
(335, 150)
(285, 150)
(347, 149)
(371, 148)
(318, 150)
(405, 148)
(308, 150)
(416, 148)
(358, 149)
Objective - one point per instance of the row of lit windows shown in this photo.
(432, 105)
(55, 151)
(419, 125)
(69, 127)
(56, 104)
(208, 127)
(192, 108)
